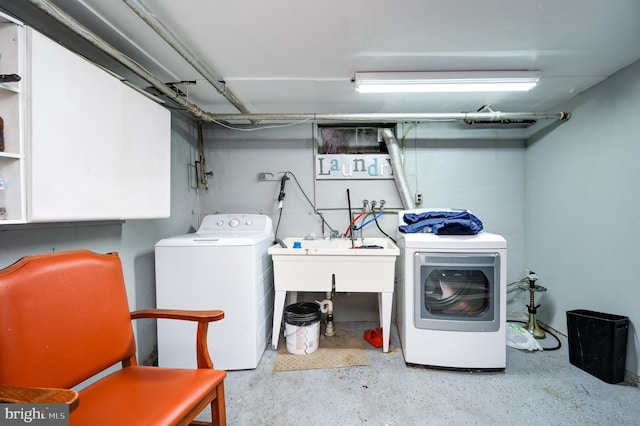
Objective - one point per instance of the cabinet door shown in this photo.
(147, 157)
(75, 126)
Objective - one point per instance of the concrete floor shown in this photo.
(537, 388)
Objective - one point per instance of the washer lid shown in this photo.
(226, 230)
(236, 224)
(215, 240)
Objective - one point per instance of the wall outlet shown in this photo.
(269, 176)
(418, 198)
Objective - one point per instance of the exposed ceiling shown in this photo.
(293, 56)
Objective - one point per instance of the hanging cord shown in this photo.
(350, 216)
(363, 219)
(202, 175)
(375, 217)
(282, 195)
(253, 129)
(553, 348)
(514, 286)
(363, 211)
(373, 212)
(364, 215)
(275, 235)
(384, 233)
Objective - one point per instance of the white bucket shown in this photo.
(302, 339)
(302, 327)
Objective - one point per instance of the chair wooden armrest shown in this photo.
(31, 395)
(202, 317)
(181, 314)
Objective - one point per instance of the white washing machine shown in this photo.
(224, 265)
(451, 299)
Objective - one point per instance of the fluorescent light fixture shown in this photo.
(446, 81)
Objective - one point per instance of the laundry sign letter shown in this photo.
(353, 166)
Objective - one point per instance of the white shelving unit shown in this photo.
(12, 158)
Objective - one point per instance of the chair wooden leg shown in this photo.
(218, 410)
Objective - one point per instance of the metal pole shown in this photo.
(151, 20)
(75, 26)
(496, 116)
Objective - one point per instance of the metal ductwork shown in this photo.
(398, 171)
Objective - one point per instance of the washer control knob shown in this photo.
(220, 222)
(234, 222)
(249, 222)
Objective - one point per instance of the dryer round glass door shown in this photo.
(457, 291)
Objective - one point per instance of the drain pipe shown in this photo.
(396, 166)
(147, 16)
(326, 307)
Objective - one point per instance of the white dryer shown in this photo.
(224, 265)
(451, 299)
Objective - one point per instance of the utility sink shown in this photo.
(364, 266)
(340, 245)
(368, 266)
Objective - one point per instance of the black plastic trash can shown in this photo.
(598, 343)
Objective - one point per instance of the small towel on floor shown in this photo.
(442, 223)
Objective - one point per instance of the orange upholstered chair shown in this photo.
(64, 317)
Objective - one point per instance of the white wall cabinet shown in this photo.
(85, 147)
(98, 148)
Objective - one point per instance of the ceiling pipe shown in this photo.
(147, 16)
(75, 26)
(493, 116)
(198, 113)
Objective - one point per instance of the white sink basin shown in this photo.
(336, 246)
(368, 267)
